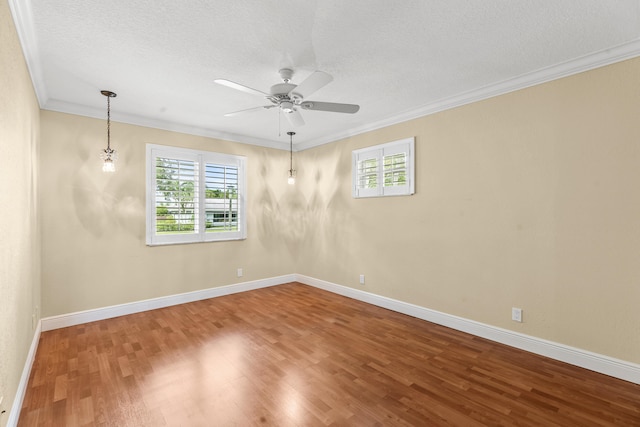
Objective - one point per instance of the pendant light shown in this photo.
(108, 155)
(292, 172)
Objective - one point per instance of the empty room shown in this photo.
(320, 213)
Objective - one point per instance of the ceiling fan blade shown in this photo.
(242, 88)
(294, 118)
(330, 106)
(314, 82)
(235, 113)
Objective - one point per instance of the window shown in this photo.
(384, 170)
(194, 196)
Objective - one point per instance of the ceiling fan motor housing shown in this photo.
(282, 88)
(282, 96)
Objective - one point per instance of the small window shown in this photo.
(384, 170)
(194, 196)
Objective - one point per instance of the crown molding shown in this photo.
(132, 119)
(22, 16)
(584, 63)
(23, 19)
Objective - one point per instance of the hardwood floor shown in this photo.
(293, 355)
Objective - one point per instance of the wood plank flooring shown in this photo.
(293, 355)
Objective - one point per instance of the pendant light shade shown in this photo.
(108, 155)
(292, 173)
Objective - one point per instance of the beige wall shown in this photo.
(93, 224)
(19, 241)
(530, 200)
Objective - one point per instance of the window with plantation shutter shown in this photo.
(194, 196)
(384, 170)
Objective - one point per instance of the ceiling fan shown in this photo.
(290, 98)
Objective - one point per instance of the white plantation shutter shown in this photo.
(384, 170)
(396, 168)
(367, 170)
(222, 207)
(175, 189)
(194, 196)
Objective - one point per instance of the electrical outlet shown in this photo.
(516, 314)
(362, 279)
(239, 272)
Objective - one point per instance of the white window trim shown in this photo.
(379, 152)
(201, 157)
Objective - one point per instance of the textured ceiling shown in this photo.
(396, 59)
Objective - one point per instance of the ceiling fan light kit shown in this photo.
(286, 106)
(290, 98)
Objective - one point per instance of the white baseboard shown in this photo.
(582, 358)
(617, 368)
(80, 317)
(14, 414)
(621, 369)
(77, 318)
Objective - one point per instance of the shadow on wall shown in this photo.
(322, 222)
(338, 216)
(315, 211)
(328, 215)
(268, 212)
(100, 200)
(280, 220)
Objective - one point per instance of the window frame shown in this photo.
(379, 153)
(201, 159)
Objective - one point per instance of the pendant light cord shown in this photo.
(291, 151)
(108, 123)
(109, 95)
